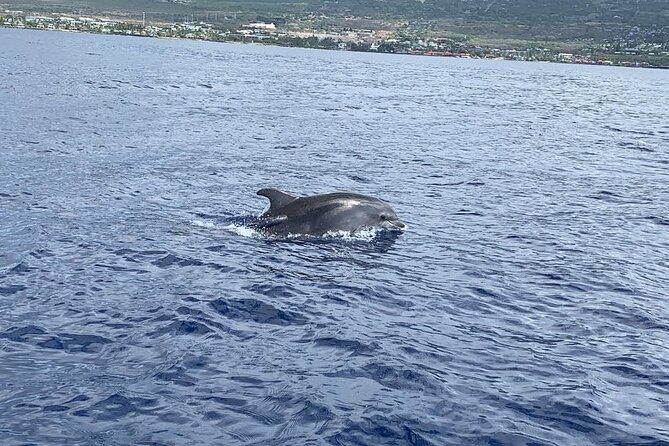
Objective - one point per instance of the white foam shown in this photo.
(242, 230)
(236, 228)
(204, 224)
(363, 235)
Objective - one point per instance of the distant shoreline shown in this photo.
(135, 31)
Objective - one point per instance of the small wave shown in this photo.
(242, 226)
(364, 235)
(236, 225)
(204, 224)
(244, 231)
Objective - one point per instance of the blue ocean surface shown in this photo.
(527, 303)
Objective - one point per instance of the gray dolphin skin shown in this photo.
(319, 214)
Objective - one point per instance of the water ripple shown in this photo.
(525, 304)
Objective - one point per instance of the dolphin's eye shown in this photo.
(384, 217)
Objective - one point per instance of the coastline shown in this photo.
(206, 32)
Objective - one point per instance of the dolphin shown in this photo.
(319, 214)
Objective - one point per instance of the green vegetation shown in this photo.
(582, 31)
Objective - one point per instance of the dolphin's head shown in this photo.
(376, 213)
(388, 220)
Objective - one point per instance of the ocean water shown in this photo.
(527, 303)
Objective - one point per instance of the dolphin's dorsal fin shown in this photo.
(277, 199)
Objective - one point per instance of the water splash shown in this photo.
(243, 230)
(204, 224)
(242, 225)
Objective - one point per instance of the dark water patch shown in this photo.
(359, 179)
(21, 334)
(636, 146)
(172, 260)
(627, 372)
(634, 319)
(11, 289)
(663, 221)
(441, 357)
(507, 438)
(273, 291)
(119, 325)
(354, 347)
(265, 415)
(390, 376)
(73, 343)
(176, 375)
(55, 408)
(183, 310)
(118, 268)
(381, 430)
(313, 413)
(559, 415)
(132, 255)
(485, 293)
(585, 421)
(455, 183)
(469, 212)
(152, 443)
(183, 328)
(633, 131)
(288, 147)
(116, 407)
(27, 405)
(231, 402)
(220, 268)
(248, 380)
(611, 197)
(256, 311)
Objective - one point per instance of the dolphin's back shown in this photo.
(317, 204)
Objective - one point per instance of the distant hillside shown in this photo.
(632, 12)
(513, 19)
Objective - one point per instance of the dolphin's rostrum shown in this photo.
(320, 214)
